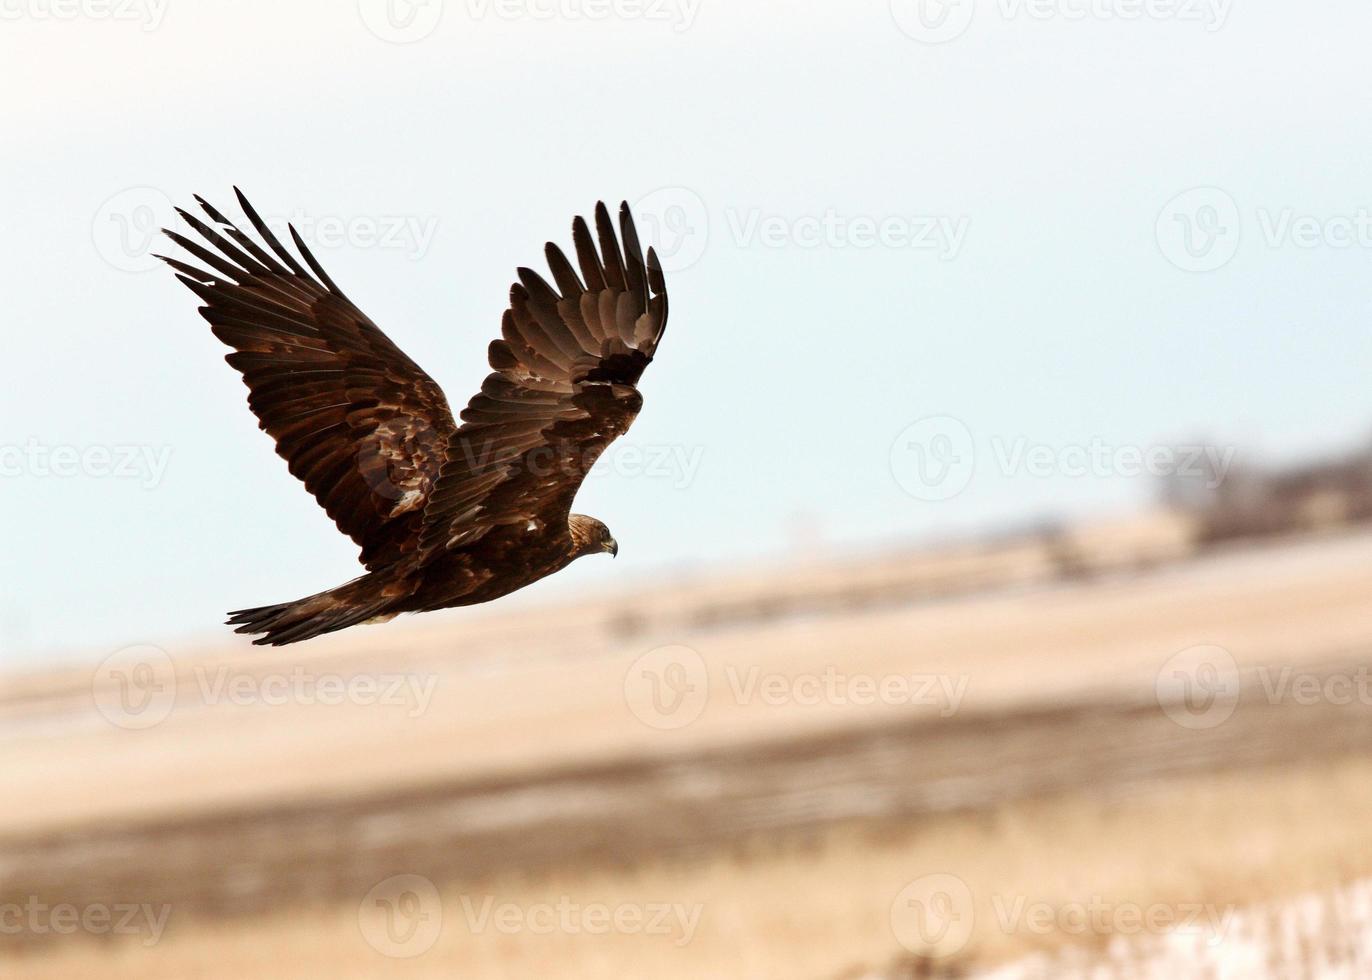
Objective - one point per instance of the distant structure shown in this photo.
(1253, 502)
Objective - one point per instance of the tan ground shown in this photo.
(1129, 808)
(539, 688)
(818, 909)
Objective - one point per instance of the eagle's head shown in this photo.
(591, 537)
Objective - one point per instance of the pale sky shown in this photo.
(1071, 235)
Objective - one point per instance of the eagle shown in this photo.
(447, 512)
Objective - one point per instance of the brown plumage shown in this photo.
(445, 514)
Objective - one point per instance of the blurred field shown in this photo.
(1044, 764)
(820, 906)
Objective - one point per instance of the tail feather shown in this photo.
(304, 619)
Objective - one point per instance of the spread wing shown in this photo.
(564, 387)
(358, 422)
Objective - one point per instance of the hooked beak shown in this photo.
(613, 548)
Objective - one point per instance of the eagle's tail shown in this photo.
(360, 601)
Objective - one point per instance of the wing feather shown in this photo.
(563, 387)
(591, 269)
(357, 421)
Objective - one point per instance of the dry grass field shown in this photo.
(841, 771)
(820, 906)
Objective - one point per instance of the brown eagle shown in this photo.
(445, 514)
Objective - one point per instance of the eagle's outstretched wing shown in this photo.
(358, 422)
(564, 387)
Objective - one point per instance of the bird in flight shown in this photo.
(446, 514)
